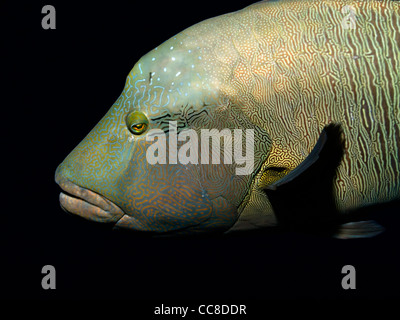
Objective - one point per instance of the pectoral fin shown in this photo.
(304, 198)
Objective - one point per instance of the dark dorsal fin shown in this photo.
(304, 198)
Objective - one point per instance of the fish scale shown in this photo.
(320, 77)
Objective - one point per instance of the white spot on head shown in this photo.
(165, 69)
(153, 59)
(173, 58)
(172, 48)
(178, 74)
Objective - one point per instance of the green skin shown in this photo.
(284, 69)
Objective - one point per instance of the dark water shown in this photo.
(92, 262)
(61, 83)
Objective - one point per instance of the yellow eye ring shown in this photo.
(137, 122)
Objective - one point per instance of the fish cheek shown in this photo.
(223, 179)
(161, 197)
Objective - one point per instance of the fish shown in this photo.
(308, 90)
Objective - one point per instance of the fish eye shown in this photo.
(137, 122)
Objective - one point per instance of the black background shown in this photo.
(58, 84)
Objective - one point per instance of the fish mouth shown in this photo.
(86, 203)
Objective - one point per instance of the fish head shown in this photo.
(159, 160)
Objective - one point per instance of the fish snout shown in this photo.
(86, 203)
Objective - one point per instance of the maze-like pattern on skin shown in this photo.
(282, 68)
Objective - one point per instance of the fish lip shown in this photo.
(87, 203)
